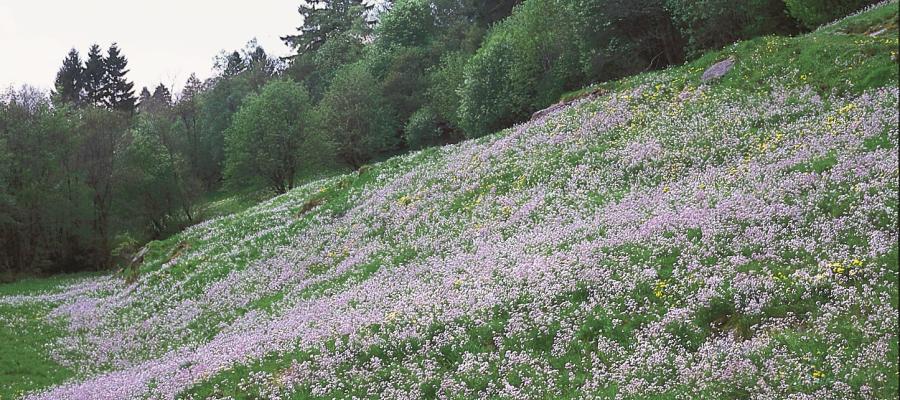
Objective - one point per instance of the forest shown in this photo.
(96, 168)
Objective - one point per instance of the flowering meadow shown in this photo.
(659, 239)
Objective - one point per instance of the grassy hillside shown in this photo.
(661, 238)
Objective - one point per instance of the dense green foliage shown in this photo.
(85, 180)
(55, 179)
(525, 63)
(70, 80)
(356, 116)
(422, 129)
(273, 137)
(615, 41)
(154, 185)
(710, 24)
(322, 19)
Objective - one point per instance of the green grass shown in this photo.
(25, 331)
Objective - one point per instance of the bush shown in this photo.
(409, 23)
(625, 37)
(526, 62)
(812, 13)
(339, 50)
(147, 178)
(274, 137)
(444, 83)
(422, 129)
(356, 116)
(401, 71)
(712, 24)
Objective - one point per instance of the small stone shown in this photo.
(139, 257)
(548, 111)
(878, 32)
(718, 70)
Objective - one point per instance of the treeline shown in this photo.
(91, 171)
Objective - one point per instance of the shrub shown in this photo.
(273, 137)
(444, 83)
(812, 13)
(526, 62)
(409, 23)
(422, 129)
(356, 116)
(148, 176)
(624, 37)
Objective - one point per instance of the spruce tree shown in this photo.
(324, 18)
(95, 77)
(144, 99)
(234, 64)
(162, 96)
(160, 100)
(120, 90)
(192, 87)
(69, 84)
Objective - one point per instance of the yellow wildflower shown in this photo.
(659, 288)
(818, 374)
(837, 267)
(847, 108)
(520, 183)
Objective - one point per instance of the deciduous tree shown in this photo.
(273, 137)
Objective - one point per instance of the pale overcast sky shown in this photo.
(164, 40)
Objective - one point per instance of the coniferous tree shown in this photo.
(162, 96)
(160, 100)
(144, 99)
(192, 87)
(234, 64)
(120, 90)
(69, 84)
(322, 18)
(95, 77)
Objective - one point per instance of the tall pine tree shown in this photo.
(69, 84)
(323, 18)
(233, 64)
(160, 100)
(192, 87)
(145, 99)
(120, 90)
(95, 77)
(162, 95)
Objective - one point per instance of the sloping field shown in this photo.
(661, 238)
